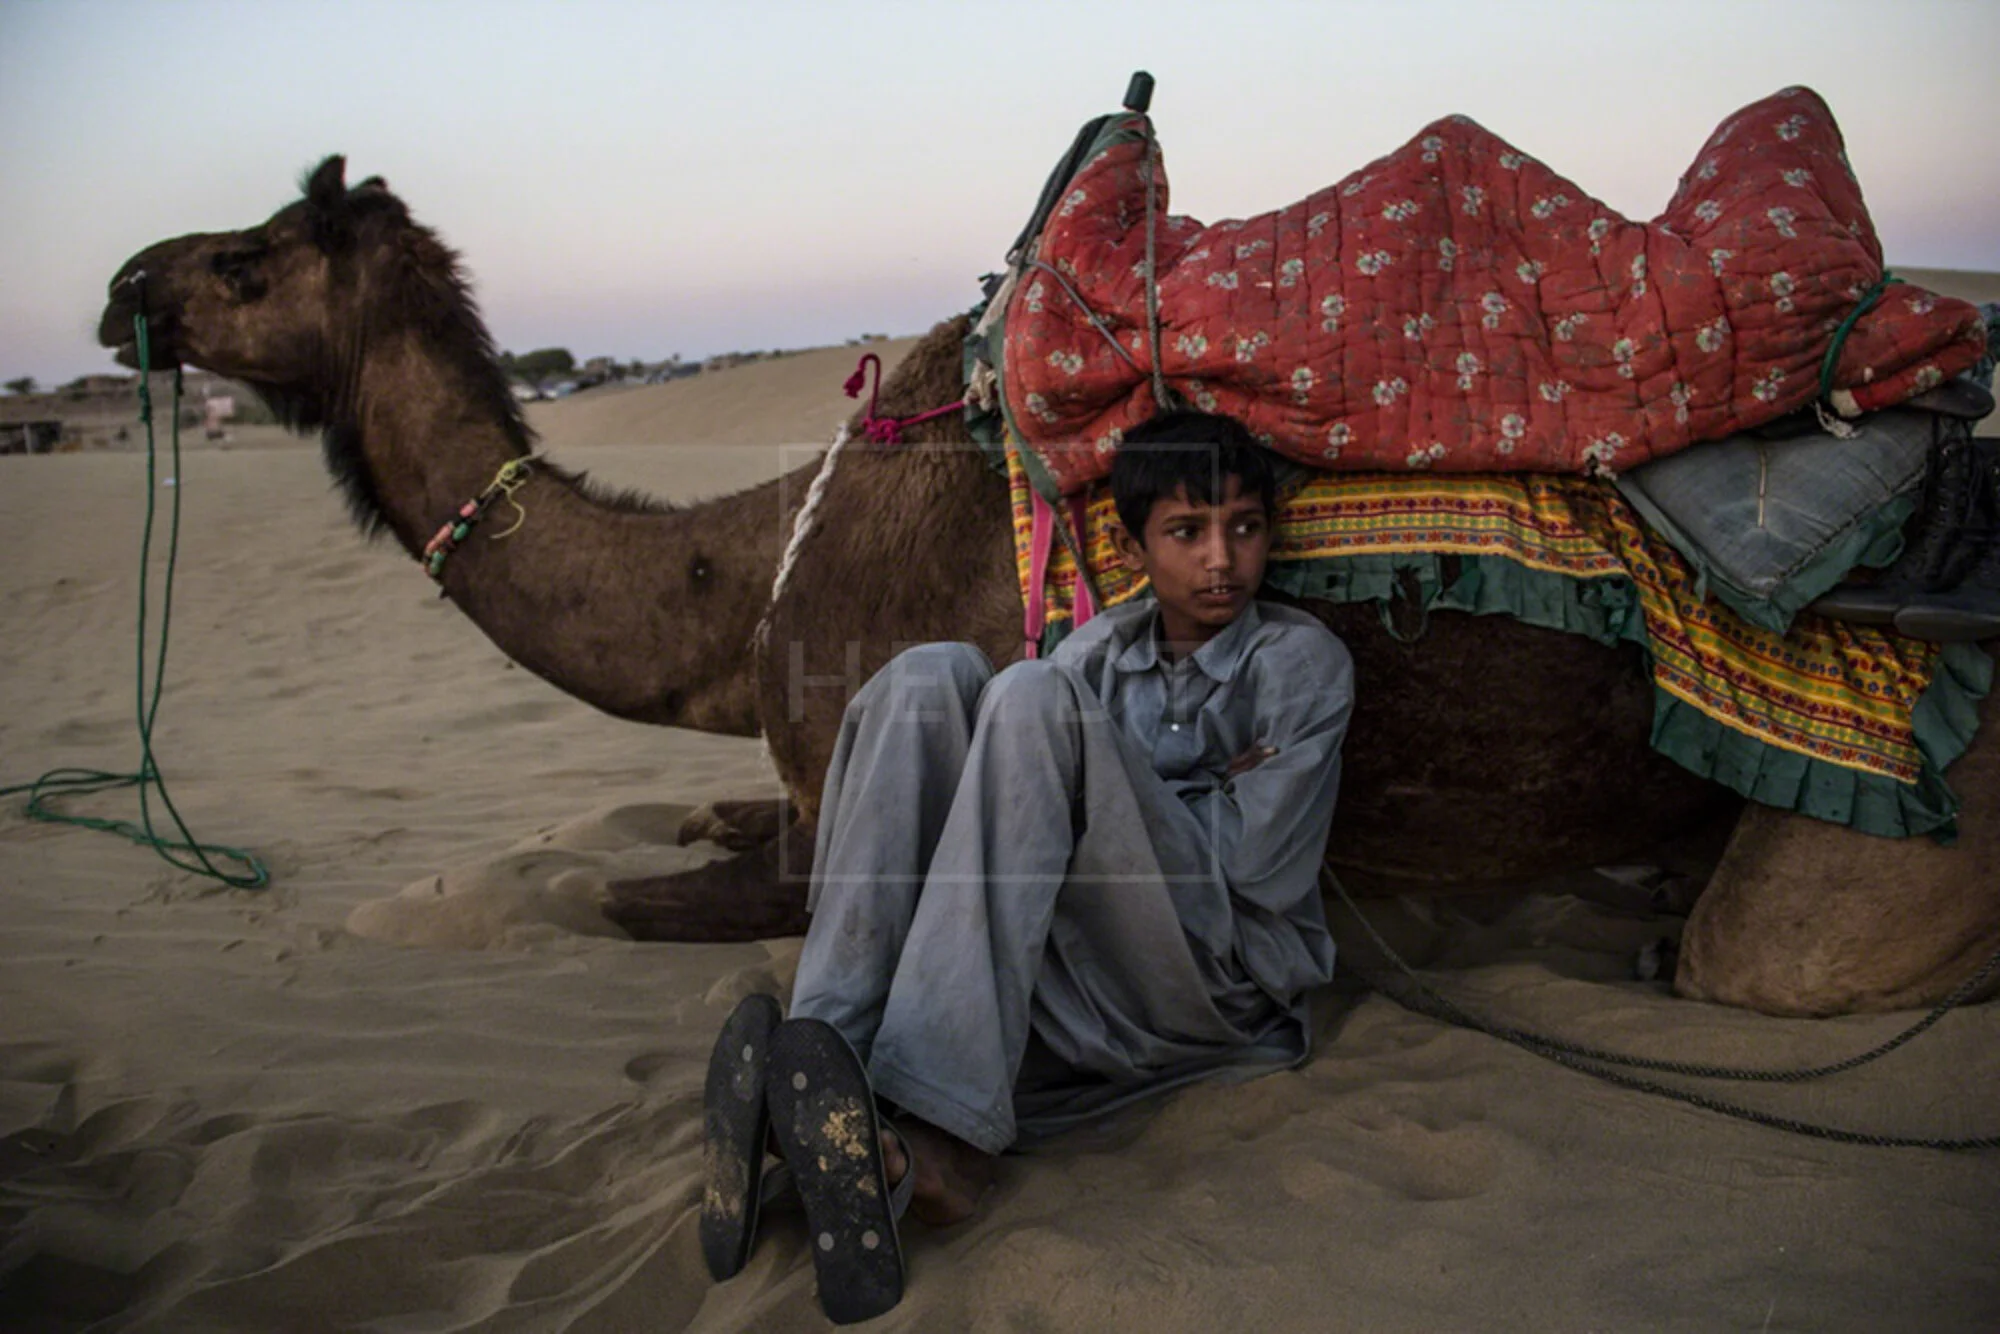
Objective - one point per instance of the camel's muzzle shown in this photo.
(139, 287)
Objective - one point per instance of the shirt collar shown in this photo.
(1218, 659)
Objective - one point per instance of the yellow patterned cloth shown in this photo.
(1831, 692)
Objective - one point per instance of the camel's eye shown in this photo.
(238, 266)
(699, 571)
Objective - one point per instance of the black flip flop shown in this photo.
(824, 1116)
(735, 1125)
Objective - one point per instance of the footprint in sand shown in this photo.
(641, 1068)
(330, 570)
(542, 890)
(621, 829)
(509, 715)
(88, 731)
(1422, 1162)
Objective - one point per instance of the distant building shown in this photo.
(30, 437)
(101, 384)
(673, 368)
(217, 409)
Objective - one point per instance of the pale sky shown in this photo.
(643, 179)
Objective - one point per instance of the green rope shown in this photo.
(1866, 304)
(61, 782)
(1598, 1064)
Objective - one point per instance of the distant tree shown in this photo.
(24, 385)
(542, 361)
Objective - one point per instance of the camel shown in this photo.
(1483, 754)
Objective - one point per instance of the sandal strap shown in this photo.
(777, 1181)
(906, 1186)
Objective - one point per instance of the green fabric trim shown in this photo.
(1944, 721)
(1605, 609)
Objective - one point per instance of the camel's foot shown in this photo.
(1804, 918)
(754, 896)
(738, 825)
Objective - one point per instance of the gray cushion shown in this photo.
(1828, 505)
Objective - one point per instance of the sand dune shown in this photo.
(790, 400)
(418, 1085)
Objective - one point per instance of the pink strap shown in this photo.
(1041, 535)
(886, 430)
(1079, 523)
(1041, 543)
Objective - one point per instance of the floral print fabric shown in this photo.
(1458, 307)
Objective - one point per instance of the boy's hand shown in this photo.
(1249, 760)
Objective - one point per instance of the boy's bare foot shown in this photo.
(951, 1174)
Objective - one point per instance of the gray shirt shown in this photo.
(1274, 677)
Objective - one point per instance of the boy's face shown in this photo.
(1205, 561)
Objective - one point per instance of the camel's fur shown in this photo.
(1841, 921)
(1486, 751)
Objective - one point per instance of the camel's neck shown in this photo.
(643, 611)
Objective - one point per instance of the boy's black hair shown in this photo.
(1196, 450)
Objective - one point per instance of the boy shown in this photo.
(1041, 893)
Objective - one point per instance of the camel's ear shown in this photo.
(327, 211)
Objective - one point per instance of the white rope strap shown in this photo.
(802, 528)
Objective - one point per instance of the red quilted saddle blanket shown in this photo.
(1459, 306)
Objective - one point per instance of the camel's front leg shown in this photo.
(756, 895)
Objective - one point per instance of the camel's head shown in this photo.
(283, 305)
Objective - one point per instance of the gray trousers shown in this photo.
(995, 861)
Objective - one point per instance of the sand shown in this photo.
(419, 1084)
(794, 398)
